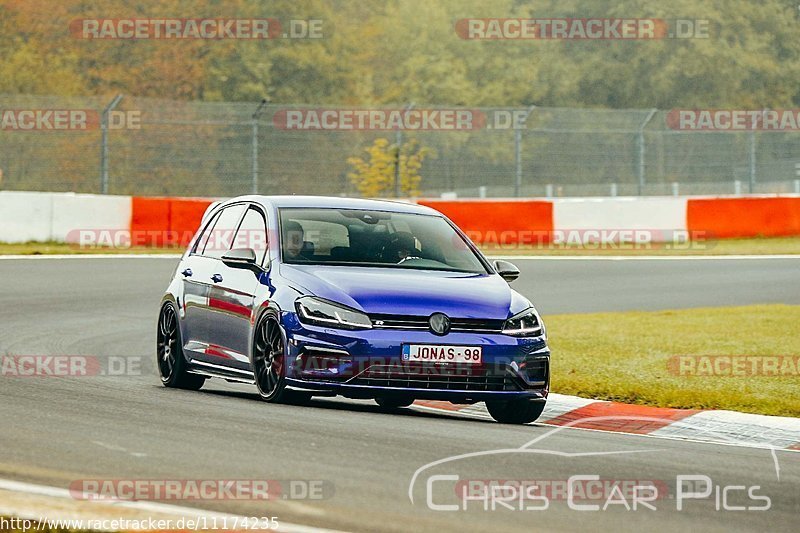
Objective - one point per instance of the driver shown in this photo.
(293, 239)
(401, 246)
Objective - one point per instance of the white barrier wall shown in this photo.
(663, 214)
(25, 216)
(42, 216)
(75, 212)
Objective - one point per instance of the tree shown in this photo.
(374, 176)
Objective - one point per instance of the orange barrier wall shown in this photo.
(173, 221)
(165, 221)
(744, 217)
(499, 222)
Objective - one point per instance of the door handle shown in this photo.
(187, 273)
(216, 278)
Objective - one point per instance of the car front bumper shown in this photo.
(368, 364)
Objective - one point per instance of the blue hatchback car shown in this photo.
(366, 299)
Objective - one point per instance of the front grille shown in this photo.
(385, 376)
(461, 325)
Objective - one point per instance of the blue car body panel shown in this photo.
(360, 363)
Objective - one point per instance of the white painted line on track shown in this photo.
(505, 257)
(146, 506)
(93, 256)
(641, 257)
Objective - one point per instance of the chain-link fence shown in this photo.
(145, 146)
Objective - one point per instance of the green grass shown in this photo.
(754, 246)
(625, 356)
(58, 248)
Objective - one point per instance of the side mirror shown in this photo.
(507, 270)
(241, 258)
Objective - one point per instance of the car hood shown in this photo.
(407, 291)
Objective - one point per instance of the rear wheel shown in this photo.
(515, 411)
(390, 404)
(172, 365)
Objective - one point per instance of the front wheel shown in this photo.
(515, 411)
(169, 353)
(269, 362)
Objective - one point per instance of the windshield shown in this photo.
(374, 238)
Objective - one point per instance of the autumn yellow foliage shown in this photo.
(374, 175)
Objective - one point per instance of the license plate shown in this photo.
(433, 353)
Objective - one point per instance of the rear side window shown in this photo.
(220, 238)
(253, 234)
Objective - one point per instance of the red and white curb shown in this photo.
(721, 427)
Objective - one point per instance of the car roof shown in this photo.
(333, 202)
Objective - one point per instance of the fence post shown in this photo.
(398, 189)
(254, 156)
(796, 182)
(254, 147)
(104, 143)
(518, 151)
(640, 140)
(752, 161)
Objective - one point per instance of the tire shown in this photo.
(172, 366)
(515, 411)
(390, 404)
(269, 361)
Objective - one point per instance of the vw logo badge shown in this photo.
(440, 324)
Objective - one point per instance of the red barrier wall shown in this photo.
(744, 217)
(166, 221)
(499, 222)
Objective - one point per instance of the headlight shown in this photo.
(525, 324)
(323, 313)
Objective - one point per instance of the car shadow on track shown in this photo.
(343, 404)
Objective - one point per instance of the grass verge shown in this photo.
(756, 246)
(633, 357)
(60, 248)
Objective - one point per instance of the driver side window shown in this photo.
(253, 234)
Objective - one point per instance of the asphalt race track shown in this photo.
(57, 430)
